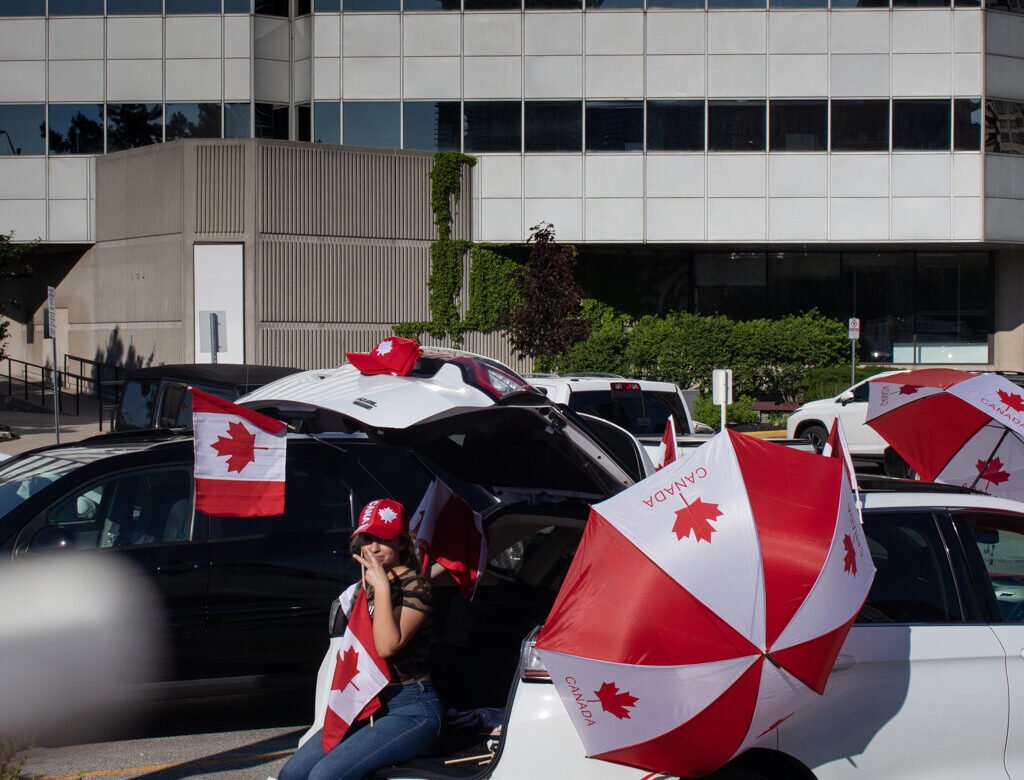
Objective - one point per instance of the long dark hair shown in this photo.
(407, 555)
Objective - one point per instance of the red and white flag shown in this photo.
(240, 459)
(359, 675)
(667, 449)
(394, 355)
(450, 533)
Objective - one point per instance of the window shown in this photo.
(675, 125)
(1004, 127)
(731, 283)
(432, 126)
(879, 289)
(133, 124)
(967, 124)
(371, 5)
(639, 412)
(128, 7)
(492, 126)
(236, 120)
(615, 126)
(798, 3)
(860, 3)
(920, 3)
(76, 128)
(920, 125)
(736, 126)
(675, 3)
(999, 540)
(75, 7)
(237, 6)
(798, 125)
(303, 123)
(271, 7)
(433, 5)
(554, 126)
(719, 4)
(860, 125)
(954, 293)
(303, 7)
(594, 5)
(371, 124)
(23, 8)
(193, 120)
(193, 7)
(326, 6)
(327, 122)
(492, 5)
(21, 129)
(568, 5)
(271, 121)
(800, 280)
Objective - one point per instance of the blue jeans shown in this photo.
(407, 725)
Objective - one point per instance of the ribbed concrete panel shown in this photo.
(220, 188)
(141, 193)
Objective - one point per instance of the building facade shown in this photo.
(865, 157)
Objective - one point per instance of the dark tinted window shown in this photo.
(133, 124)
(432, 126)
(138, 402)
(370, 5)
(303, 123)
(492, 126)
(556, 4)
(798, 3)
(75, 7)
(615, 126)
(492, 5)
(554, 126)
(913, 583)
(999, 540)
(860, 125)
(237, 6)
(135, 6)
(798, 125)
(432, 5)
(953, 292)
(967, 124)
(920, 3)
(23, 8)
(1004, 127)
(598, 4)
(880, 289)
(327, 6)
(327, 122)
(730, 282)
(271, 7)
(920, 124)
(193, 120)
(639, 412)
(271, 121)
(675, 3)
(860, 3)
(303, 7)
(22, 129)
(371, 124)
(236, 120)
(736, 126)
(675, 125)
(193, 6)
(736, 3)
(76, 128)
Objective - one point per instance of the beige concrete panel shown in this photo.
(270, 81)
(737, 175)
(798, 32)
(1004, 77)
(134, 37)
(134, 81)
(968, 79)
(614, 219)
(620, 33)
(553, 33)
(923, 75)
(70, 220)
(75, 81)
(553, 176)
(921, 218)
(76, 38)
(738, 32)
(372, 35)
(492, 34)
(798, 75)
(431, 35)
(675, 32)
(302, 38)
(797, 175)
(675, 219)
(675, 75)
(194, 80)
(566, 214)
(23, 178)
(675, 176)
(921, 30)
(553, 77)
(238, 36)
(69, 177)
(373, 78)
(492, 77)
(859, 75)
(237, 79)
(736, 219)
(1004, 34)
(270, 38)
(737, 75)
(967, 25)
(797, 219)
(139, 193)
(23, 39)
(431, 78)
(326, 36)
(967, 219)
(302, 89)
(859, 219)
(615, 76)
(859, 32)
(24, 81)
(196, 37)
(327, 78)
(25, 218)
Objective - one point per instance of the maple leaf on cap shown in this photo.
(615, 702)
(238, 446)
(384, 347)
(387, 514)
(1012, 400)
(993, 472)
(696, 518)
(909, 389)
(850, 558)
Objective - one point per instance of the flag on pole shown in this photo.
(239, 459)
(450, 533)
(837, 447)
(667, 449)
(394, 355)
(359, 675)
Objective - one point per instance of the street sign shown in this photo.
(50, 322)
(854, 328)
(721, 390)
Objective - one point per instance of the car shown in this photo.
(927, 684)
(244, 598)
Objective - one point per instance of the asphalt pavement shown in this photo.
(36, 429)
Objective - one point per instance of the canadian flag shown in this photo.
(836, 446)
(450, 533)
(667, 449)
(393, 355)
(359, 675)
(240, 459)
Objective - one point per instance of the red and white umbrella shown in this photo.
(706, 603)
(954, 427)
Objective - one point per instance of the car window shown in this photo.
(861, 391)
(638, 411)
(138, 400)
(1000, 541)
(28, 475)
(139, 507)
(171, 406)
(316, 499)
(913, 582)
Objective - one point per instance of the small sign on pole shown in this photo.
(854, 332)
(50, 332)
(721, 389)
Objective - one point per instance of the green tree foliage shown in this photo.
(830, 381)
(740, 412)
(492, 286)
(603, 350)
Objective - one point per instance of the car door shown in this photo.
(997, 544)
(862, 438)
(917, 690)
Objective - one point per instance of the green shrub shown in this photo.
(830, 381)
(605, 348)
(739, 412)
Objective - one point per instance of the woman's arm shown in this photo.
(391, 632)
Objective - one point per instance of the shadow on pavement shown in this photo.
(247, 756)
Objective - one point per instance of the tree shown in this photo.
(13, 265)
(548, 319)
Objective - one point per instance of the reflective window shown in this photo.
(193, 6)
(554, 125)
(675, 125)
(920, 3)
(879, 289)
(736, 126)
(271, 7)
(953, 298)
(192, 120)
(967, 3)
(967, 124)
(236, 120)
(731, 283)
(327, 122)
(609, 4)
(371, 124)
(615, 126)
(303, 122)
(1004, 127)
(23, 8)
(76, 8)
(798, 125)
(432, 126)
(999, 545)
(716, 4)
(492, 126)
(860, 3)
(797, 278)
(568, 5)
(303, 7)
(433, 5)
(798, 3)
(675, 3)
(133, 124)
(920, 124)
(22, 129)
(76, 128)
(371, 5)
(128, 7)
(326, 6)
(271, 121)
(860, 125)
(237, 6)
(492, 5)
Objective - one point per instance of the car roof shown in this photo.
(932, 496)
(213, 373)
(585, 382)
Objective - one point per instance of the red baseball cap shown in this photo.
(383, 518)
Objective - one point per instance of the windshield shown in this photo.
(26, 477)
(638, 411)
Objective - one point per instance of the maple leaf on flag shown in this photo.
(850, 559)
(1012, 400)
(993, 473)
(615, 702)
(238, 446)
(696, 517)
(384, 347)
(909, 389)
(346, 670)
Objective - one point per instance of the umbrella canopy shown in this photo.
(706, 603)
(954, 427)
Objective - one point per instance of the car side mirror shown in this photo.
(52, 537)
(845, 398)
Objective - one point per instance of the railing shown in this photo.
(32, 381)
(106, 381)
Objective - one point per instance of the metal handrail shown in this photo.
(99, 381)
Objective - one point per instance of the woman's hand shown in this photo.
(373, 573)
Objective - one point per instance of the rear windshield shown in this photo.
(638, 411)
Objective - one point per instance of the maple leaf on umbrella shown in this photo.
(1012, 400)
(615, 702)
(993, 473)
(909, 389)
(696, 517)
(850, 559)
(238, 446)
(346, 670)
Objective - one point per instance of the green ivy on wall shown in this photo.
(446, 188)
(492, 288)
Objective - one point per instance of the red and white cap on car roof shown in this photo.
(384, 518)
(394, 355)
